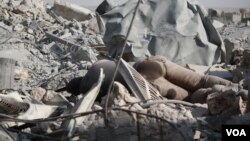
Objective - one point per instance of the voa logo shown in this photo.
(236, 132)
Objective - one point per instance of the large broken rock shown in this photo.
(78, 52)
(217, 24)
(122, 98)
(21, 9)
(71, 11)
(230, 47)
(223, 100)
(241, 72)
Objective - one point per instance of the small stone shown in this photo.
(6, 15)
(99, 40)
(55, 64)
(38, 93)
(69, 64)
(21, 75)
(21, 9)
(14, 3)
(49, 95)
(18, 27)
(29, 36)
(30, 31)
(248, 23)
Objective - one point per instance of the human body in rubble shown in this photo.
(172, 81)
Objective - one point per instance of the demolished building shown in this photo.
(231, 17)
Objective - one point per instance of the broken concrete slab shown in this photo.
(230, 45)
(38, 93)
(223, 101)
(71, 11)
(78, 52)
(217, 24)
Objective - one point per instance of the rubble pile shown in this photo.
(45, 47)
(42, 50)
(237, 42)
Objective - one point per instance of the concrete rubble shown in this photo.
(43, 49)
